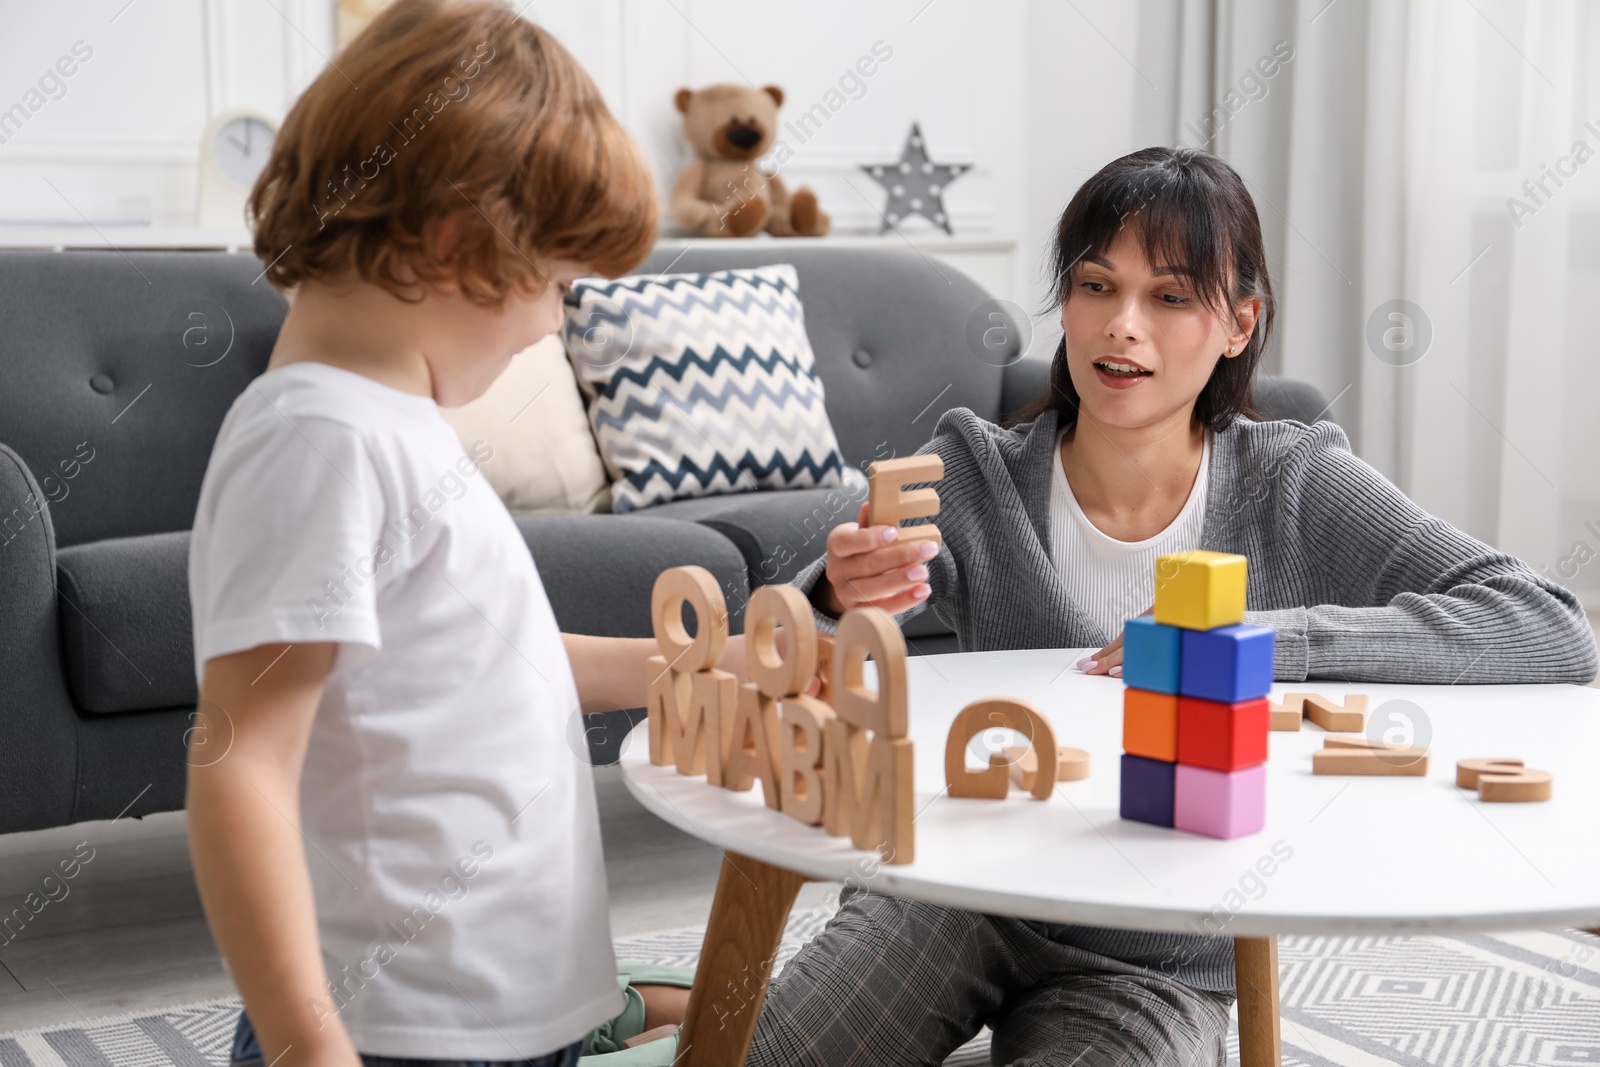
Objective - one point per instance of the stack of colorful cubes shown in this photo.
(1194, 721)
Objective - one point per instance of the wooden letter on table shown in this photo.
(1376, 759)
(888, 502)
(782, 675)
(874, 795)
(1349, 717)
(690, 718)
(993, 782)
(1072, 765)
(696, 587)
(752, 748)
(844, 760)
(1023, 763)
(867, 793)
(689, 701)
(803, 721)
(871, 632)
(669, 697)
(702, 737)
(1504, 780)
(882, 814)
(1284, 716)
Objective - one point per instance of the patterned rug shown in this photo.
(1503, 1000)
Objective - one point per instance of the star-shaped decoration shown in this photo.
(916, 185)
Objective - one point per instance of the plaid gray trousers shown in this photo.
(899, 983)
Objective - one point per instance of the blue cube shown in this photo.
(1228, 664)
(1148, 789)
(1150, 655)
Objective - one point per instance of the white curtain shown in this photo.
(1388, 159)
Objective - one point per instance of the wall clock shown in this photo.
(233, 152)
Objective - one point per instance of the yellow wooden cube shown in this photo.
(1200, 590)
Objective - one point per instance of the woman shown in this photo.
(1145, 444)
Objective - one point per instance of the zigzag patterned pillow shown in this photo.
(700, 384)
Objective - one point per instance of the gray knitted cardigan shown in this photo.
(1359, 583)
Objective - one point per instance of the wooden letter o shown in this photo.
(1504, 780)
(871, 632)
(776, 675)
(696, 587)
(995, 781)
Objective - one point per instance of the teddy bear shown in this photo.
(723, 191)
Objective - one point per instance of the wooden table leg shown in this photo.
(747, 918)
(1255, 965)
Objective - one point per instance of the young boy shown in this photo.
(371, 635)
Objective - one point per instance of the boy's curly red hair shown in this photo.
(445, 109)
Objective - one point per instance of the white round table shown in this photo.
(1374, 855)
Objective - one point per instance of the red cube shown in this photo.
(1222, 737)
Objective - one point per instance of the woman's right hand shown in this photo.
(872, 565)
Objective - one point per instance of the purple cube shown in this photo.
(1220, 803)
(1147, 789)
(1228, 665)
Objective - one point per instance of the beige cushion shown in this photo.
(544, 452)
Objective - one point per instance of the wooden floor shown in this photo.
(130, 935)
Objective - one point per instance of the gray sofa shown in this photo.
(119, 369)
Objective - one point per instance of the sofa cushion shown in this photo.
(889, 328)
(780, 531)
(777, 532)
(126, 632)
(532, 416)
(701, 384)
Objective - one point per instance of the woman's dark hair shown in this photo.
(1194, 214)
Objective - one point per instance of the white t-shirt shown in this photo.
(1111, 580)
(450, 827)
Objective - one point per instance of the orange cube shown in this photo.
(1150, 724)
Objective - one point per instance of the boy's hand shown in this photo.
(1109, 659)
(871, 565)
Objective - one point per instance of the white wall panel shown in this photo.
(122, 142)
(1025, 90)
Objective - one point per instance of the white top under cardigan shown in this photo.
(1114, 580)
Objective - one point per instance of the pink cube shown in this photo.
(1220, 803)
